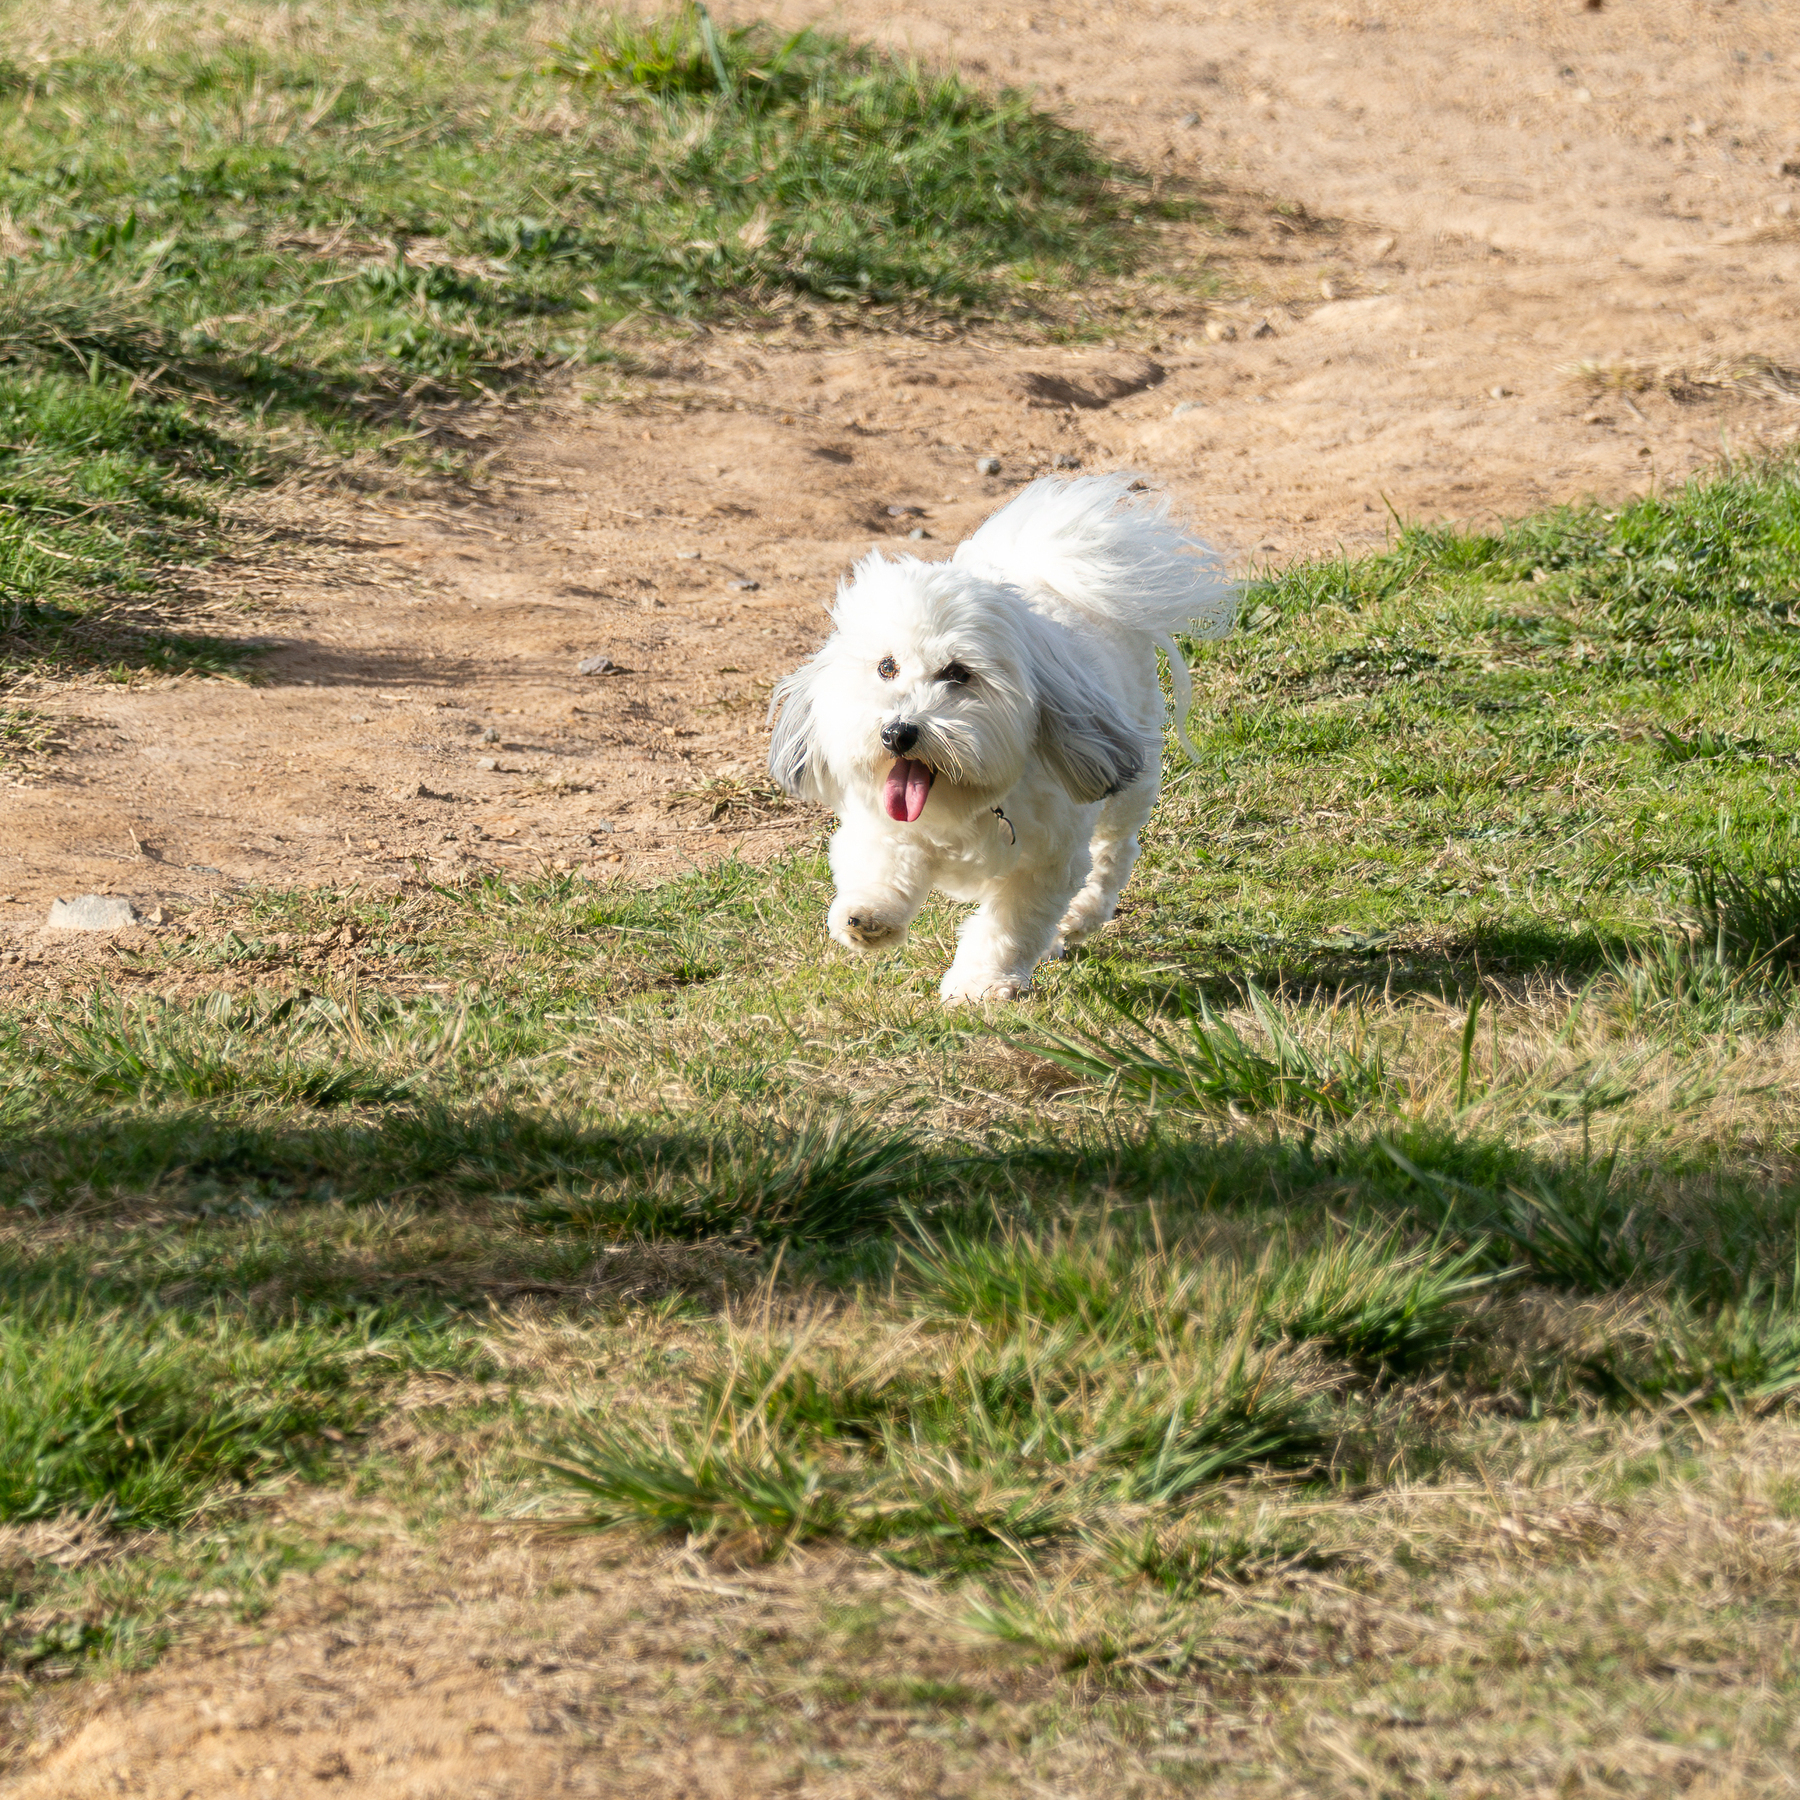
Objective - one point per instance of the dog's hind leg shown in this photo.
(1113, 853)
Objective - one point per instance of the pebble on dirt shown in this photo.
(92, 912)
(593, 665)
(987, 465)
(746, 586)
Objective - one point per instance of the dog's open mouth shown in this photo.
(908, 785)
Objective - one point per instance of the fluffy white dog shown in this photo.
(992, 726)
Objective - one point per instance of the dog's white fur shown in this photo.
(1055, 609)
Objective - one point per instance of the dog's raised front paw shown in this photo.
(864, 927)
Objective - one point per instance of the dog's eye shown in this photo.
(887, 668)
(955, 674)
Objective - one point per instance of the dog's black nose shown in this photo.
(899, 736)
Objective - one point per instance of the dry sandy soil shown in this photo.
(1491, 195)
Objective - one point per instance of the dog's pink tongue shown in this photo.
(908, 784)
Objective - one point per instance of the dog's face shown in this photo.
(936, 690)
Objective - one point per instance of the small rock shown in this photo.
(1499, 393)
(744, 586)
(987, 465)
(1183, 407)
(487, 762)
(1189, 120)
(917, 532)
(92, 912)
(1264, 330)
(906, 512)
(687, 555)
(1327, 290)
(491, 736)
(1065, 461)
(359, 718)
(1220, 331)
(589, 665)
(1381, 247)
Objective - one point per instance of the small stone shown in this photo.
(744, 586)
(92, 912)
(487, 762)
(1065, 461)
(687, 555)
(1182, 408)
(1327, 290)
(987, 465)
(1189, 121)
(917, 532)
(1499, 393)
(589, 665)
(906, 512)
(1381, 247)
(1264, 330)
(490, 735)
(359, 718)
(1220, 331)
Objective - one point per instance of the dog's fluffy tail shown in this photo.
(1097, 545)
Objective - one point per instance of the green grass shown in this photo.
(254, 241)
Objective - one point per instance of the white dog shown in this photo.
(992, 726)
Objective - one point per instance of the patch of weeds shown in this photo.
(1744, 1355)
(1205, 1062)
(947, 1453)
(1748, 917)
(150, 1419)
(291, 1053)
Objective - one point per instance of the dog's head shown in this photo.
(938, 687)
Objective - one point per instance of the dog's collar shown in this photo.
(1012, 837)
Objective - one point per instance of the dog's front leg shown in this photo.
(1006, 938)
(881, 884)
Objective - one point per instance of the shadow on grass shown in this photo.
(428, 1210)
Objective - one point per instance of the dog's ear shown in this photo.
(1088, 750)
(796, 754)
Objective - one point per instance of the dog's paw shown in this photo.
(862, 926)
(1087, 915)
(960, 987)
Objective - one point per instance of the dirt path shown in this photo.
(1487, 205)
